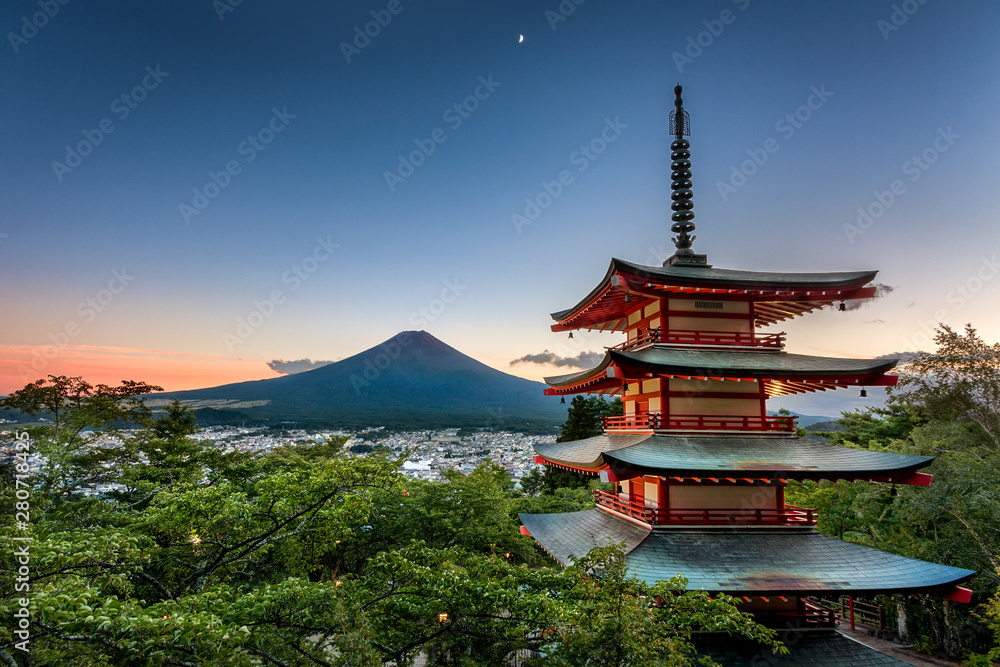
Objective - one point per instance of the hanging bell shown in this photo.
(562, 399)
(570, 334)
(864, 393)
(842, 307)
(628, 298)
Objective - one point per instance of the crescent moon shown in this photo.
(520, 39)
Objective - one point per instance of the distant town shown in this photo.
(429, 452)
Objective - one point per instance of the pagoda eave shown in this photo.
(779, 296)
(731, 458)
(744, 561)
(781, 373)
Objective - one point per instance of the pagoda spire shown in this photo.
(680, 186)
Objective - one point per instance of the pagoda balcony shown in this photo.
(728, 339)
(654, 516)
(654, 421)
(809, 617)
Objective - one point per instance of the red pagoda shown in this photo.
(698, 464)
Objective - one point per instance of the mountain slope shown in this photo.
(411, 380)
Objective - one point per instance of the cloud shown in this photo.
(881, 290)
(582, 360)
(297, 366)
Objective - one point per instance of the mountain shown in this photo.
(412, 381)
(805, 421)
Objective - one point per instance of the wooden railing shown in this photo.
(810, 617)
(853, 610)
(692, 337)
(789, 516)
(656, 421)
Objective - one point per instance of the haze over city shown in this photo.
(196, 193)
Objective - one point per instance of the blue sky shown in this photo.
(318, 255)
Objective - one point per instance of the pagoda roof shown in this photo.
(812, 648)
(793, 293)
(742, 561)
(721, 456)
(795, 373)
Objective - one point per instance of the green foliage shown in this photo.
(555, 478)
(78, 410)
(946, 406)
(990, 614)
(533, 482)
(301, 557)
(875, 426)
(611, 619)
(960, 381)
(583, 419)
(558, 501)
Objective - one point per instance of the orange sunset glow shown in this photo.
(21, 364)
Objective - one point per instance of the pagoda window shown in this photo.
(651, 386)
(730, 316)
(746, 499)
(714, 397)
(651, 491)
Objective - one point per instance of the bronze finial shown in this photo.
(682, 206)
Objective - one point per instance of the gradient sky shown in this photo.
(104, 276)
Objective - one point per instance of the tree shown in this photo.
(533, 482)
(80, 413)
(610, 619)
(990, 614)
(301, 557)
(584, 417)
(878, 425)
(959, 381)
(946, 406)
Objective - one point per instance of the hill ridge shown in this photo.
(412, 379)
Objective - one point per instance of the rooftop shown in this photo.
(729, 455)
(742, 561)
(786, 373)
(791, 293)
